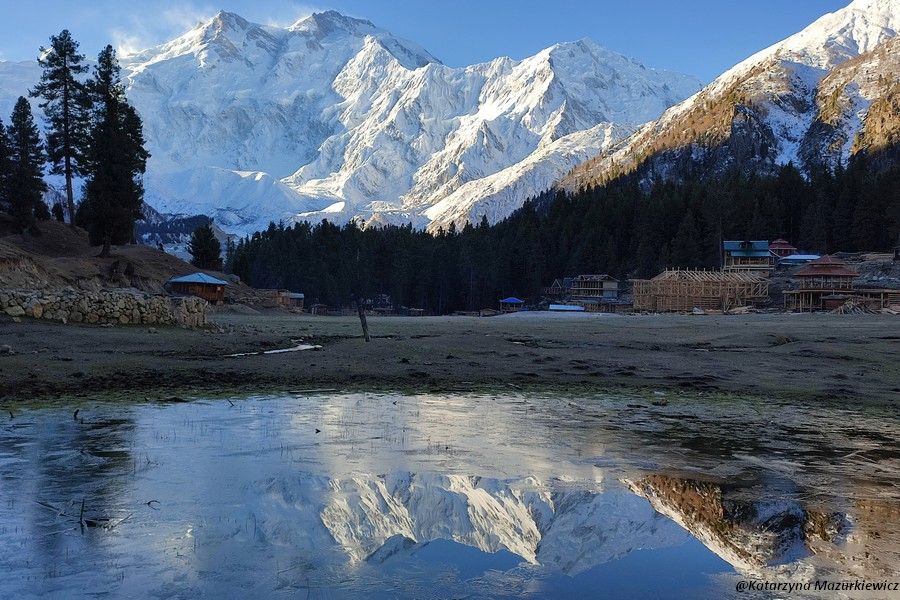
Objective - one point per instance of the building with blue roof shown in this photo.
(511, 304)
(211, 289)
(748, 256)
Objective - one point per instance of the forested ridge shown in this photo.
(621, 228)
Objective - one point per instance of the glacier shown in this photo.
(334, 118)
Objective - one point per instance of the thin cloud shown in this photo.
(127, 43)
(142, 31)
(186, 16)
(298, 11)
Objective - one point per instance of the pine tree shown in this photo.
(230, 250)
(5, 168)
(686, 243)
(205, 249)
(66, 109)
(25, 187)
(116, 160)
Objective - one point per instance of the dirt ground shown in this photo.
(843, 358)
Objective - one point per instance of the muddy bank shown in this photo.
(852, 358)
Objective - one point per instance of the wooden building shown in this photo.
(781, 248)
(293, 300)
(201, 285)
(826, 276)
(560, 287)
(748, 256)
(681, 290)
(594, 287)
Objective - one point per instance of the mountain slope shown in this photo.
(770, 109)
(335, 118)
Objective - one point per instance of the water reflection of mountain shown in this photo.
(749, 534)
(553, 524)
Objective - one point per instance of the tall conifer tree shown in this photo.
(116, 160)
(205, 249)
(5, 168)
(26, 184)
(66, 107)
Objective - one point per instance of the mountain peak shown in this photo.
(331, 21)
(224, 20)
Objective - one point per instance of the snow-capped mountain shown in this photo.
(336, 118)
(804, 100)
(547, 523)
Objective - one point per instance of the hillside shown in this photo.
(62, 257)
(814, 99)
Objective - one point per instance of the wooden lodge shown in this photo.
(682, 290)
(593, 293)
(826, 276)
(594, 287)
(201, 285)
(748, 256)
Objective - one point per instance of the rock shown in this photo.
(15, 311)
(6, 349)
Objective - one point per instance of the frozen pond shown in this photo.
(445, 496)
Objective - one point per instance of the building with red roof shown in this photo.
(782, 248)
(825, 276)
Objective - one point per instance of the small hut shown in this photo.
(201, 285)
(782, 248)
(291, 300)
(511, 304)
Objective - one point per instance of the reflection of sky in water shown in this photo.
(434, 496)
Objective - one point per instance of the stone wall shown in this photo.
(123, 306)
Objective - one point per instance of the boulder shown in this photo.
(15, 311)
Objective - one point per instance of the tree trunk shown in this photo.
(67, 150)
(70, 200)
(362, 318)
(104, 252)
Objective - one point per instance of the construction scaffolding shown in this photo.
(681, 290)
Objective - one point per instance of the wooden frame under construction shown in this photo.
(681, 290)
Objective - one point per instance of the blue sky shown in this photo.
(700, 37)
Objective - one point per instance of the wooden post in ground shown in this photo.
(362, 318)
